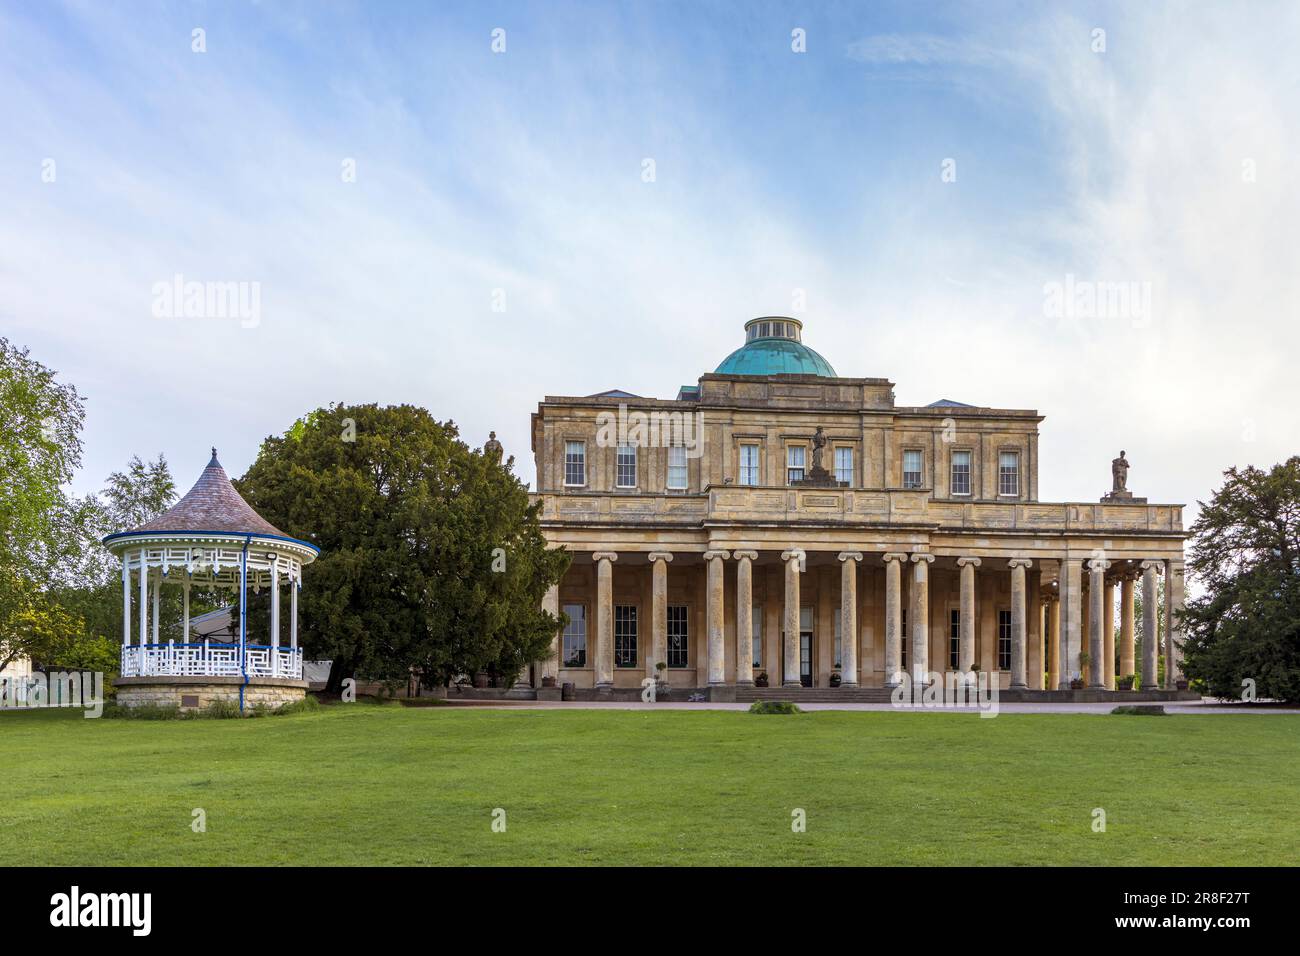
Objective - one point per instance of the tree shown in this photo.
(431, 557)
(40, 448)
(1246, 557)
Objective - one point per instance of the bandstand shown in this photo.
(211, 540)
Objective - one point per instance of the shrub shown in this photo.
(1136, 710)
(307, 705)
(774, 707)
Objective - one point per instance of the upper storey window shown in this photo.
(844, 464)
(961, 473)
(749, 464)
(575, 463)
(794, 463)
(1009, 474)
(626, 466)
(912, 468)
(676, 467)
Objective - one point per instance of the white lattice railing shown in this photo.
(210, 660)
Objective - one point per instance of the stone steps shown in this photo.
(815, 695)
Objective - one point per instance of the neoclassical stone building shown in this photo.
(777, 520)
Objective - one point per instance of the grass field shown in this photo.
(360, 784)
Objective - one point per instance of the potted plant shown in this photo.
(661, 679)
(761, 679)
(835, 678)
(1125, 682)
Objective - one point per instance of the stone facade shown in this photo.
(198, 693)
(932, 544)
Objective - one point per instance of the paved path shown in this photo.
(1204, 706)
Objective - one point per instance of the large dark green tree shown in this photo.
(431, 560)
(1246, 556)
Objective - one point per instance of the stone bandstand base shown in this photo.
(197, 693)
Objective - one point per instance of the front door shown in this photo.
(806, 646)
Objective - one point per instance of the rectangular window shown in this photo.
(844, 465)
(912, 468)
(1009, 473)
(749, 464)
(678, 638)
(676, 467)
(625, 635)
(902, 659)
(1004, 640)
(756, 634)
(626, 477)
(954, 639)
(794, 463)
(961, 473)
(575, 636)
(575, 463)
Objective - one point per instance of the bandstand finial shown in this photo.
(214, 457)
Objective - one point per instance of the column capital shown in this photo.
(963, 562)
(850, 555)
(712, 555)
(893, 556)
(1020, 563)
(1098, 564)
(745, 555)
(604, 555)
(794, 554)
(1157, 566)
(654, 556)
(927, 558)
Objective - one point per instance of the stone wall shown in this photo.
(200, 693)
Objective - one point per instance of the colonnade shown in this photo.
(1070, 632)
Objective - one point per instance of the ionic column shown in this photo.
(1019, 622)
(1126, 663)
(921, 618)
(551, 605)
(1150, 603)
(1173, 627)
(1096, 619)
(714, 611)
(1053, 643)
(604, 617)
(790, 650)
(658, 611)
(849, 617)
(893, 617)
(745, 615)
(1070, 584)
(966, 645)
(1108, 634)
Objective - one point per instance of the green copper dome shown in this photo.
(773, 347)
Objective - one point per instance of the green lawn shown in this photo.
(358, 784)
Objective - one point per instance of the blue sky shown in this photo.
(777, 175)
